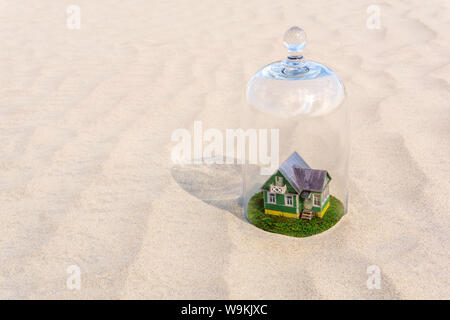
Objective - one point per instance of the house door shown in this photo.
(308, 204)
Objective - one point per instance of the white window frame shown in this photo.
(268, 197)
(286, 201)
(314, 196)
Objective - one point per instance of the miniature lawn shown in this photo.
(291, 226)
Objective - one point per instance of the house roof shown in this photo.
(301, 176)
(287, 169)
(310, 179)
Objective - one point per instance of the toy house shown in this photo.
(297, 191)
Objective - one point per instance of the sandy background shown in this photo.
(85, 174)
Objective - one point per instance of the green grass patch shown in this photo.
(292, 226)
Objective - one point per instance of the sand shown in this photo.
(86, 118)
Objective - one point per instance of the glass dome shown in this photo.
(299, 180)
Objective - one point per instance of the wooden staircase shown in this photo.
(307, 215)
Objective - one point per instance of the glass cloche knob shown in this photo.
(294, 65)
(295, 40)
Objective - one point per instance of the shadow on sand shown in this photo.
(219, 185)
